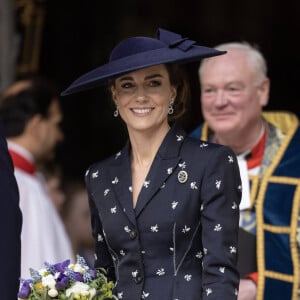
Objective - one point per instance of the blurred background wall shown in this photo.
(61, 39)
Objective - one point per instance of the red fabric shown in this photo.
(22, 163)
(254, 161)
(253, 277)
(257, 153)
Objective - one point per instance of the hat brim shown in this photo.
(113, 69)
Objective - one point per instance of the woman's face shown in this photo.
(143, 98)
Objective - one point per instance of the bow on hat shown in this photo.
(173, 39)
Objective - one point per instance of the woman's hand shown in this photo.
(247, 290)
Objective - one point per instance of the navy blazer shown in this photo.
(10, 226)
(180, 241)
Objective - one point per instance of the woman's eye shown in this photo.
(126, 85)
(154, 83)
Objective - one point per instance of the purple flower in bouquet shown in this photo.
(25, 289)
(62, 281)
(89, 275)
(61, 267)
(92, 273)
(74, 276)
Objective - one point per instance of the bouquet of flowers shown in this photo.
(65, 281)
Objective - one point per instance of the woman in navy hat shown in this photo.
(165, 208)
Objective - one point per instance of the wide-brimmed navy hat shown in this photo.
(139, 52)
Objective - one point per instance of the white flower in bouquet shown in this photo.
(80, 289)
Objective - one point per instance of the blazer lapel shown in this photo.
(163, 166)
(120, 175)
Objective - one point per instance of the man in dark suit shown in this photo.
(10, 226)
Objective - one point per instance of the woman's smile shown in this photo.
(142, 111)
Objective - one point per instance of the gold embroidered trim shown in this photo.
(259, 211)
(279, 276)
(254, 188)
(277, 229)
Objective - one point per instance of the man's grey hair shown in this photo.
(255, 57)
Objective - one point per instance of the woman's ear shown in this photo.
(173, 93)
(113, 93)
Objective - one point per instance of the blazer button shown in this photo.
(133, 234)
(138, 278)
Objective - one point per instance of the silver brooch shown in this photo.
(182, 176)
